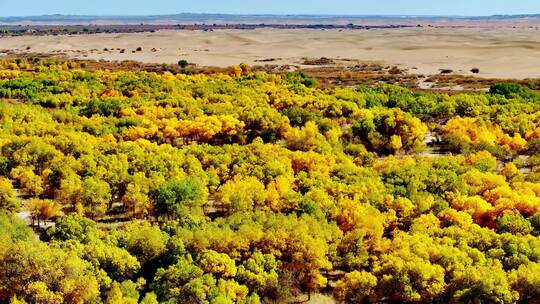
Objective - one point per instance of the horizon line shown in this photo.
(271, 15)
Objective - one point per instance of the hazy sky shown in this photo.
(358, 7)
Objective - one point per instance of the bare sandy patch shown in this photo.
(496, 52)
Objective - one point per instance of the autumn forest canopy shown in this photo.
(121, 186)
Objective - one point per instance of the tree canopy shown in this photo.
(253, 187)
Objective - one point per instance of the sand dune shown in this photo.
(497, 52)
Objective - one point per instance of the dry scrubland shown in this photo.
(497, 52)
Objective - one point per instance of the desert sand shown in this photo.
(497, 52)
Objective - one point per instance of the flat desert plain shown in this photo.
(497, 52)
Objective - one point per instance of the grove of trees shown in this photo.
(248, 187)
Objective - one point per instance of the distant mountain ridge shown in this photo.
(185, 18)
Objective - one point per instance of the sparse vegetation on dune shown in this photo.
(180, 184)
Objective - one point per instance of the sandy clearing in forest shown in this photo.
(497, 52)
